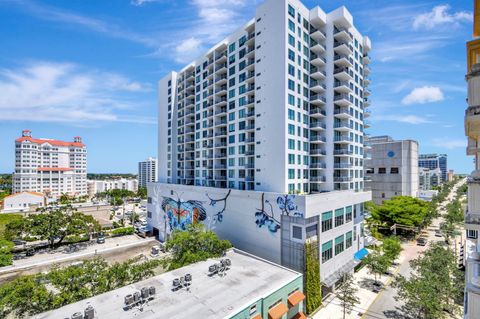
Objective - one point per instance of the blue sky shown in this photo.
(90, 68)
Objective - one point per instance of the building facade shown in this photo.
(392, 169)
(243, 116)
(429, 178)
(51, 167)
(433, 161)
(147, 172)
(101, 186)
(472, 214)
(261, 139)
(23, 202)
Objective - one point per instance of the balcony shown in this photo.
(220, 111)
(342, 60)
(317, 60)
(222, 122)
(315, 139)
(317, 35)
(250, 153)
(342, 152)
(366, 124)
(249, 165)
(318, 126)
(318, 166)
(342, 74)
(342, 126)
(366, 59)
(317, 99)
(342, 100)
(221, 79)
(221, 57)
(221, 144)
(342, 165)
(342, 139)
(366, 70)
(221, 133)
(342, 48)
(366, 81)
(317, 112)
(221, 90)
(250, 127)
(366, 92)
(317, 74)
(342, 179)
(221, 101)
(342, 87)
(318, 179)
(342, 113)
(318, 151)
(366, 102)
(317, 48)
(317, 87)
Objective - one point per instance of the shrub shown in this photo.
(122, 231)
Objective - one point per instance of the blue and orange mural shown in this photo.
(265, 217)
(182, 213)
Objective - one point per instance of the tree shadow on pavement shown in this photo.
(370, 284)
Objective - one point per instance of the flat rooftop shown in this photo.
(248, 279)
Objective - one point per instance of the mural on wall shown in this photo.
(218, 217)
(287, 205)
(182, 213)
(265, 217)
(179, 214)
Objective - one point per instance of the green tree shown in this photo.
(403, 210)
(53, 224)
(142, 192)
(377, 263)
(65, 199)
(24, 296)
(194, 245)
(433, 285)
(392, 247)
(347, 294)
(313, 291)
(5, 252)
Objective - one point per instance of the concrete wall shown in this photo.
(257, 222)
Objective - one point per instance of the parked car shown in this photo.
(101, 240)
(421, 241)
(438, 233)
(30, 252)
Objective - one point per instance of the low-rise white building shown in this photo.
(428, 178)
(101, 186)
(23, 202)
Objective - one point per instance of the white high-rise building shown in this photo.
(279, 105)
(51, 167)
(147, 172)
(264, 135)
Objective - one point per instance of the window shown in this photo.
(291, 114)
(348, 214)
(348, 240)
(231, 48)
(149, 214)
(291, 70)
(339, 217)
(291, 55)
(339, 244)
(291, 173)
(394, 170)
(291, 129)
(291, 11)
(382, 170)
(291, 144)
(327, 221)
(291, 100)
(312, 230)
(473, 234)
(291, 85)
(327, 251)
(297, 232)
(149, 200)
(291, 25)
(291, 159)
(291, 40)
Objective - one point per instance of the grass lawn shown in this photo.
(5, 219)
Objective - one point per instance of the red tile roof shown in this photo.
(51, 142)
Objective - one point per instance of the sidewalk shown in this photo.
(331, 308)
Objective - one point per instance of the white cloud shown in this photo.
(449, 143)
(408, 119)
(215, 19)
(439, 16)
(139, 3)
(65, 92)
(422, 95)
